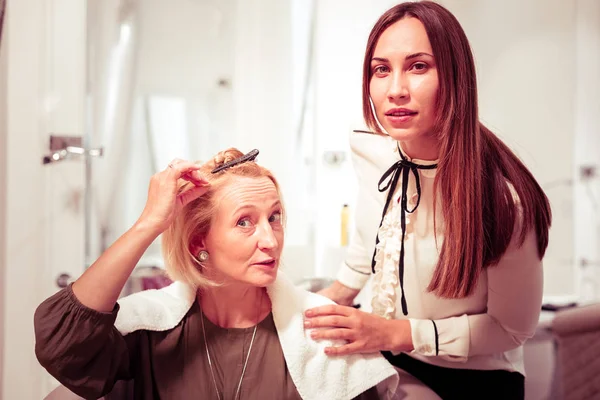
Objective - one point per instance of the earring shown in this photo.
(202, 256)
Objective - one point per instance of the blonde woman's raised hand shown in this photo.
(165, 200)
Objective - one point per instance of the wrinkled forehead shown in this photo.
(238, 190)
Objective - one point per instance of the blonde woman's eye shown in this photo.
(276, 217)
(244, 223)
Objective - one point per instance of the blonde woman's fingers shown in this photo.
(196, 179)
(191, 195)
(182, 168)
(174, 162)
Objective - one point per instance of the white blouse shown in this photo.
(484, 331)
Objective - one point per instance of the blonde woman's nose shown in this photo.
(266, 238)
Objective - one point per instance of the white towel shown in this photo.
(316, 375)
(155, 310)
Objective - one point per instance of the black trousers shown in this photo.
(463, 384)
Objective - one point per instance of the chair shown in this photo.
(577, 334)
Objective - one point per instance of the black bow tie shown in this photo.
(401, 167)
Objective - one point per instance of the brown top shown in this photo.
(83, 350)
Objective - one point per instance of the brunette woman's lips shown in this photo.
(399, 115)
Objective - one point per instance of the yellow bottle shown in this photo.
(345, 221)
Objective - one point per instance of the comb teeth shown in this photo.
(250, 156)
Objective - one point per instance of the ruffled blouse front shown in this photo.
(387, 258)
(386, 278)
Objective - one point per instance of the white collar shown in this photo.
(429, 173)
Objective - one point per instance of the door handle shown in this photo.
(63, 280)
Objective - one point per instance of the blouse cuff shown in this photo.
(87, 312)
(352, 278)
(446, 338)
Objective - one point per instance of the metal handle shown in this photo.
(71, 151)
(65, 147)
(63, 280)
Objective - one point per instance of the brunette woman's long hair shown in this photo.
(486, 191)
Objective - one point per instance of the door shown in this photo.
(45, 66)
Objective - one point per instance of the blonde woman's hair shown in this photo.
(193, 223)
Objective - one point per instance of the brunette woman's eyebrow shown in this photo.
(379, 59)
(408, 57)
(416, 55)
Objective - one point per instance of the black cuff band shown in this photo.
(437, 342)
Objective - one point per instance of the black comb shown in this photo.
(250, 156)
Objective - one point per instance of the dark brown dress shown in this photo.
(83, 350)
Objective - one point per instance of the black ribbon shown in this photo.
(401, 167)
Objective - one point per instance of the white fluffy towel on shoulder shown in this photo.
(316, 375)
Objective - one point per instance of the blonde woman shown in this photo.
(229, 327)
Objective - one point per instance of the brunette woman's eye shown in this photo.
(381, 69)
(419, 67)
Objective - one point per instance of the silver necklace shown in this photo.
(237, 392)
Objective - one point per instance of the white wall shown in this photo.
(42, 234)
(3, 165)
(25, 220)
(586, 204)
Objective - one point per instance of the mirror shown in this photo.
(187, 78)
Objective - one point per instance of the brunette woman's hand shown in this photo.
(363, 332)
(164, 201)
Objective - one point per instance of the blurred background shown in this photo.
(98, 95)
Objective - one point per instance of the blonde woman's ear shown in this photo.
(202, 256)
(198, 249)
